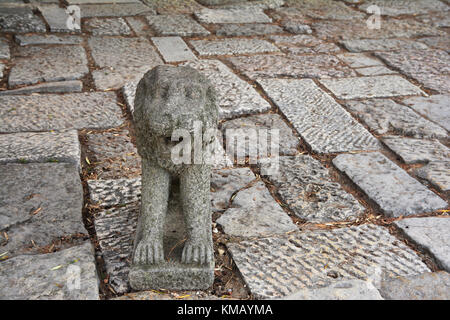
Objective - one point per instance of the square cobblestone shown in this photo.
(107, 27)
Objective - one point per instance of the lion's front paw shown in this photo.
(196, 252)
(148, 252)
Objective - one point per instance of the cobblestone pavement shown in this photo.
(358, 205)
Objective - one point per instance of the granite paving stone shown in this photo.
(431, 234)
(173, 49)
(121, 60)
(129, 94)
(301, 44)
(100, 1)
(250, 15)
(232, 46)
(442, 43)
(436, 19)
(108, 193)
(341, 290)
(254, 213)
(294, 66)
(4, 49)
(306, 187)
(326, 9)
(417, 150)
(357, 29)
(437, 173)
(174, 6)
(400, 7)
(41, 202)
(361, 45)
(391, 188)
(176, 25)
(435, 107)
(297, 28)
(37, 64)
(426, 286)
(47, 87)
(68, 274)
(57, 112)
(359, 60)
(38, 39)
(248, 29)
(374, 71)
(139, 27)
(57, 18)
(107, 27)
(431, 69)
(114, 10)
(386, 116)
(250, 126)
(20, 20)
(112, 155)
(40, 147)
(371, 87)
(234, 96)
(261, 4)
(280, 266)
(324, 125)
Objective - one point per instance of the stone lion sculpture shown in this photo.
(169, 98)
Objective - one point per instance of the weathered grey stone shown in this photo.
(386, 116)
(234, 96)
(250, 15)
(375, 71)
(47, 87)
(41, 202)
(442, 43)
(280, 266)
(176, 25)
(129, 93)
(295, 66)
(121, 60)
(396, 192)
(20, 20)
(436, 19)
(301, 44)
(359, 60)
(56, 18)
(306, 187)
(69, 274)
(173, 49)
(217, 2)
(341, 290)
(399, 7)
(436, 108)
(107, 27)
(357, 29)
(296, 27)
(159, 295)
(225, 183)
(437, 173)
(108, 193)
(362, 45)
(57, 112)
(432, 234)
(112, 155)
(100, 1)
(326, 9)
(2, 67)
(248, 29)
(321, 122)
(189, 98)
(261, 4)
(36, 64)
(139, 27)
(254, 213)
(174, 6)
(114, 10)
(25, 40)
(431, 69)
(426, 286)
(245, 130)
(417, 150)
(4, 49)
(232, 46)
(40, 147)
(371, 87)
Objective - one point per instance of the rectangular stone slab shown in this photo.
(173, 49)
(57, 112)
(251, 15)
(232, 46)
(396, 192)
(321, 121)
